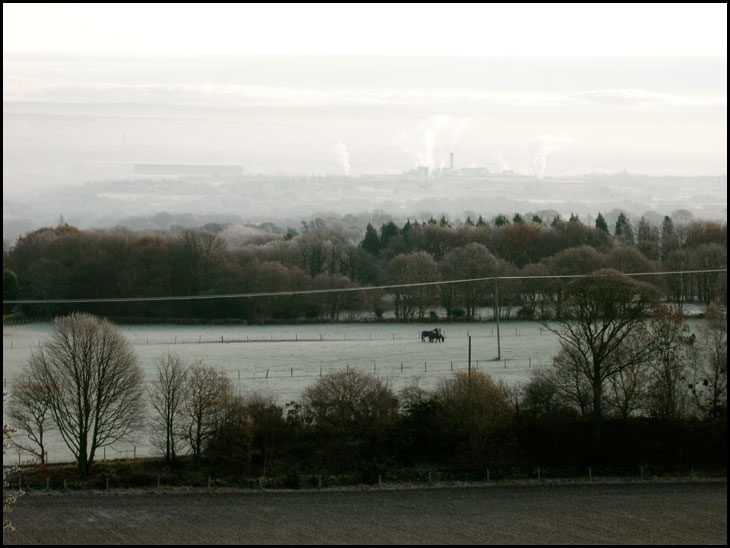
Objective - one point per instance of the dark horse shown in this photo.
(434, 335)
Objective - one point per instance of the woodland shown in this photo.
(64, 263)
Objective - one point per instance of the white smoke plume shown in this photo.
(544, 146)
(342, 155)
(439, 130)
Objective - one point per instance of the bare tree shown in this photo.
(208, 396)
(474, 409)
(93, 383)
(668, 395)
(709, 385)
(11, 497)
(168, 398)
(30, 413)
(407, 269)
(350, 404)
(602, 311)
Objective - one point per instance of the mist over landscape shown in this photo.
(277, 139)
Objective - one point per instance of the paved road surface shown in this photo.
(607, 513)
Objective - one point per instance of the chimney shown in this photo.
(451, 168)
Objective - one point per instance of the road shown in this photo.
(656, 512)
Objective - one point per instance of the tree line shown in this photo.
(622, 391)
(64, 262)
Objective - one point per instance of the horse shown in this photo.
(434, 335)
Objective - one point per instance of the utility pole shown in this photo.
(496, 299)
(469, 358)
(469, 377)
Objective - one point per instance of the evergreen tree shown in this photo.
(670, 240)
(501, 220)
(648, 240)
(624, 232)
(601, 223)
(371, 242)
(387, 232)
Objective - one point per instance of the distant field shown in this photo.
(283, 360)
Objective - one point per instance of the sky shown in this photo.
(541, 89)
(369, 29)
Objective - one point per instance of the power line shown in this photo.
(335, 290)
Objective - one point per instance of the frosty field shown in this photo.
(284, 360)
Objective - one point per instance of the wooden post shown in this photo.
(469, 374)
(496, 298)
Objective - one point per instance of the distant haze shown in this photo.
(73, 119)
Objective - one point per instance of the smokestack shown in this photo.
(451, 167)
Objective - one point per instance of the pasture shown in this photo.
(282, 360)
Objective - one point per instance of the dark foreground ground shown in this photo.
(677, 512)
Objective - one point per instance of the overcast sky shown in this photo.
(377, 29)
(544, 89)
